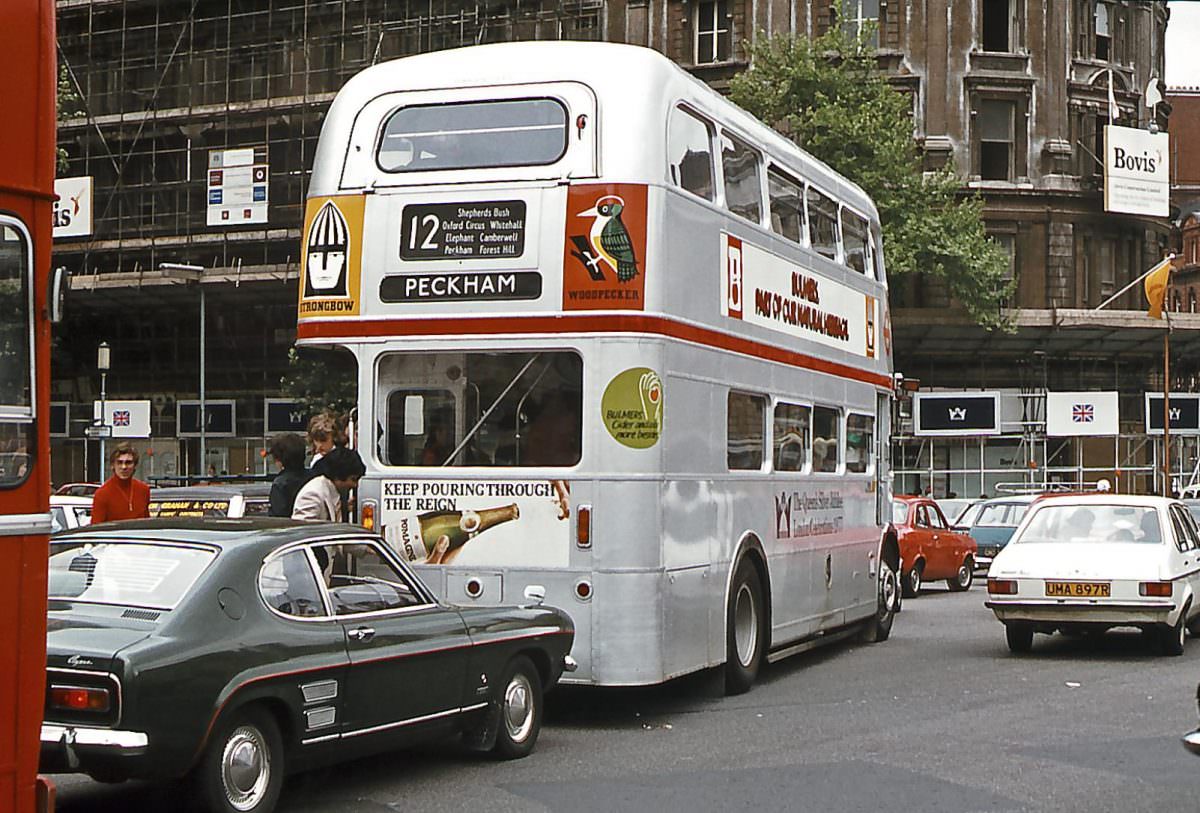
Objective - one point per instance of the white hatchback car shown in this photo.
(1080, 563)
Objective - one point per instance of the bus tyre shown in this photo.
(879, 627)
(912, 581)
(242, 769)
(520, 710)
(745, 630)
(965, 577)
(1019, 636)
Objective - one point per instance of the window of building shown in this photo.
(787, 205)
(1191, 300)
(714, 35)
(790, 437)
(1106, 270)
(743, 189)
(1103, 23)
(822, 223)
(826, 439)
(998, 26)
(744, 431)
(859, 17)
(689, 151)
(995, 125)
(856, 241)
(860, 442)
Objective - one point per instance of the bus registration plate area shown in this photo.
(1078, 589)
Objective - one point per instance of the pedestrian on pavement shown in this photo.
(122, 496)
(325, 432)
(320, 498)
(288, 451)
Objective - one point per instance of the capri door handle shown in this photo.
(361, 633)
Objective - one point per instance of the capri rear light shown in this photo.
(1156, 589)
(1002, 587)
(79, 698)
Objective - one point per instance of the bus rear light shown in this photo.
(368, 514)
(1157, 589)
(583, 526)
(1002, 587)
(583, 590)
(79, 698)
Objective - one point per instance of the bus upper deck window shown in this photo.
(743, 190)
(822, 223)
(787, 206)
(474, 135)
(689, 153)
(16, 356)
(855, 241)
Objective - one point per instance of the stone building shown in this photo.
(1014, 93)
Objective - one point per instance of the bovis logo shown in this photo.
(328, 250)
(605, 246)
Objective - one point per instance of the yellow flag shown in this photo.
(1156, 287)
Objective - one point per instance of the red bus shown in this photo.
(27, 158)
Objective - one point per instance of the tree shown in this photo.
(829, 97)
(321, 380)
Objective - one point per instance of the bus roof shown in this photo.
(611, 69)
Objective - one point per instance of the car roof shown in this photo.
(219, 531)
(211, 492)
(1016, 499)
(1107, 498)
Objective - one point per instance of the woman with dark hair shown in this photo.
(321, 497)
(288, 451)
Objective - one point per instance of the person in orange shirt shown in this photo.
(122, 496)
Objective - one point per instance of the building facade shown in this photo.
(1014, 94)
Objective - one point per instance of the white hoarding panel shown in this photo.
(237, 186)
(128, 419)
(1136, 174)
(1081, 413)
(73, 209)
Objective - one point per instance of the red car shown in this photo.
(929, 550)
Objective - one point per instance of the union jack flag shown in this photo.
(120, 417)
(1083, 413)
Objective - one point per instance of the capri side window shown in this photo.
(362, 580)
(689, 153)
(744, 431)
(287, 584)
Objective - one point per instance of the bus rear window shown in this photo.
(480, 409)
(474, 135)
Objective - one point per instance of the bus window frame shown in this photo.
(749, 144)
(566, 141)
(790, 177)
(710, 128)
(12, 414)
(359, 169)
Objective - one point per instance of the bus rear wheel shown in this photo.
(745, 630)
(887, 602)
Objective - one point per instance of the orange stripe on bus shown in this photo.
(623, 323)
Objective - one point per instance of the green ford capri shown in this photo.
(234, 651)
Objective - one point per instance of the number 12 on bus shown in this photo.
(632, 347)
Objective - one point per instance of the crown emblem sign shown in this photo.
(958, 413)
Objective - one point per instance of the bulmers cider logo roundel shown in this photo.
(328, 252)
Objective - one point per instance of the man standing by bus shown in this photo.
(122, 496)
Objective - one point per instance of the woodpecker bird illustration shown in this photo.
(609, 237)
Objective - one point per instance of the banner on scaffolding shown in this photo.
(1081, 413)
(1185, 413)
(956, 413)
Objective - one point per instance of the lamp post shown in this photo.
(103, 363)
(194, 273)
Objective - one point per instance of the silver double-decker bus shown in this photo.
(615, 338)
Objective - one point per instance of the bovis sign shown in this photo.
(956, 413)
(1136, 172)
(1185, 413)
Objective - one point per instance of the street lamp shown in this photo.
(194, 273)
(103, 364)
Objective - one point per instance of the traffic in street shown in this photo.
(940, 717)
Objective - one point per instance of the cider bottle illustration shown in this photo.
(416, 537)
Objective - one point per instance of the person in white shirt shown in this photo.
(320, 499)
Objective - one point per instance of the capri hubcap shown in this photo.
(518, 708)
(245, 768)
